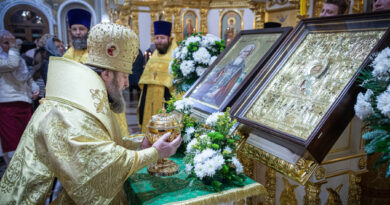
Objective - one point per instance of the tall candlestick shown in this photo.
(302, 6)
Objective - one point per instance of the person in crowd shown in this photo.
(138, 69)
(60, 46)
(381, 5)
(333, 8)
(79, 22)
(16, 94)
(73, 135)
(31, 52)
(50, 49)
(156, 82)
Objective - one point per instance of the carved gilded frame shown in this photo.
(283, 69)
(266, 42)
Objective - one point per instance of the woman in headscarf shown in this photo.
(17, 89)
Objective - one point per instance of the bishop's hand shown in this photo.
(166, 149)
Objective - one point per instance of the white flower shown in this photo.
(199, 170)
(381, 64)
(227, 150)
(212, 59)
(183, 53)
(218, 161)
(200, 70)
(207, 153)
(209, 167)
(238, 165)
(202, 56)
(190, 130)
(175, 52)
(187, 67)
(192, 143)
(202, 136)
(170, 68)
(192, 39)
(188, 168)
(212, 119)
(184, 105)
(363, 107)
(383, 103)
(187, 136)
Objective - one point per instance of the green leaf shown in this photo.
(215, 146)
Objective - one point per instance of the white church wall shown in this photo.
(144, 28)
(213, 22)
(248, 19)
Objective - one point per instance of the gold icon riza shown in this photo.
(159, 125)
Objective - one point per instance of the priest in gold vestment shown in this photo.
(156, 82)
(79, 21)
(73, 135)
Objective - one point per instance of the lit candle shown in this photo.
(302, 7)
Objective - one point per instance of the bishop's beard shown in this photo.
(80, 44)
(115, 97)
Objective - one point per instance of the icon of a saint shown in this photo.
(189, 28)
(222, 82)
(231, 30)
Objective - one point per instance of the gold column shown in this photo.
(153, 18)
(168, 14)
(177, 28)
(312, 196)
(258, 9)
(203, 21)
(318, 7)
(134, 22)
(358, 6)
(355, 191)
(270, 185)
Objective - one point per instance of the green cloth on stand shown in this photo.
(142, 188)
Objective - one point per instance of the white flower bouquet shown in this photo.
(210, 155)
(192, 57)
(189, 124)
(373, 107)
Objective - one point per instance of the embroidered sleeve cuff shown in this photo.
(146, 157)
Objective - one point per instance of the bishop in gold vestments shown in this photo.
(156, 82)
(73, 134)
(79, 23)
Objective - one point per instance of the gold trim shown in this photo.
(343, 158)
(288, 194)
(222, 14)
(312, 190)
(334, 196)
(270, 185)
(362, 163)
(300, 172)
(184, 23)
(320, 172)
(203, 20)
(345, 172)
(333, 23)
(235, 194)
(355, 191)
